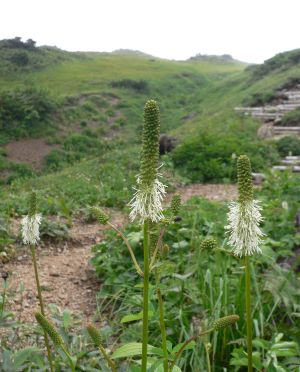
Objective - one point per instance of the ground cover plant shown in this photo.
(197, 285)
(195, 280)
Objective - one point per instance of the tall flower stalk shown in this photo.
(245, 235)
(146, 204)
(30, 235)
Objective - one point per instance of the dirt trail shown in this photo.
(65, 273)
(66, 277)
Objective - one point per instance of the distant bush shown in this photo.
(10, 171)
(20, 58)
(288, 145)
(140, 86)
(17, 43)
(260, 99)
(24, 112)
(280, 62)
(291, 119)
(74, 148)
(82, 143)
(211, 158)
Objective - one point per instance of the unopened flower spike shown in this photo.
(31, 223)
(224, 322)
(176, 204)
(101, 216)
(244, 216)
(95, 335)
(147, 200)
(49, 328)
(209, 243)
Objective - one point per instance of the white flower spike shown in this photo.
(244, 216)
(30, 229)
(147, 200)
(244, 232)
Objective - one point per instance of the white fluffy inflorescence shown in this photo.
(244, 233)
(30, 228)
(147, 201)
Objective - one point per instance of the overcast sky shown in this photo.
(249, 30)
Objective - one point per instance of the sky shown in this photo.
(249, 30)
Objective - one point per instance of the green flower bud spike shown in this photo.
(94, 335)
(32, 204)
(147, 200)
(49, 328)
(176, 204)
(97, 340)
(244, 175)
(150, 144)
(101, 216)
(208, 243)
(224, 322)
(51, 331)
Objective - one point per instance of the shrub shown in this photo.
(279, 62)
(211, 158)
(288, 145)
(260, 99)
(292, 118)
(25, 112)
(140, 86)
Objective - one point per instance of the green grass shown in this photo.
(194, 96)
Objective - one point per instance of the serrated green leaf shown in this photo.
(24, 355)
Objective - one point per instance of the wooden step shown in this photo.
(295, 168)
(277, 129)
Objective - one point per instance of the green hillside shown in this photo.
(92, 115)
(70, 129)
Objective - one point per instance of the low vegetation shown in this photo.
(95, 123)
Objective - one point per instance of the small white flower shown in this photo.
(30, 229)
(245, 235)
(147, 202)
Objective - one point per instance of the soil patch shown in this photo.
(66, 276)
(212, 192)
(30, 151)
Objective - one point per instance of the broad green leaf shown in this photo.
(169, 346)
(191, 345)
(67, 319)
(133, 349)
(134, 317)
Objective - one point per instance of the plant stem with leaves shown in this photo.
(145, 296)
(248, 313)
(30, 234)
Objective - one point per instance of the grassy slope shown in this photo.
(207, 91)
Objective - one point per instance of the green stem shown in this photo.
(207, 359)
(183, 347)
(32, 248)
(248, 313)
(3, 299)
(146, 296)
(107, 358)
(163, 329)
(137, 266)
(158, 244)
(72, 365)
